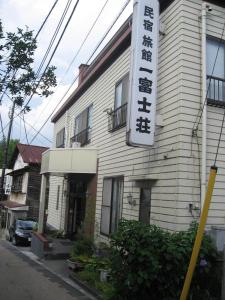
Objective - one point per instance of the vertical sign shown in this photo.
(143, 73)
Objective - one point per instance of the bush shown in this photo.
(150, 263)
(82, 247)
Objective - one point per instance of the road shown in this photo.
(24, 279)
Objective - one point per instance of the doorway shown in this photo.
(76, 208)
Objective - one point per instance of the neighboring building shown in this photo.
(26, 178)
(7, 181)
(165, 184)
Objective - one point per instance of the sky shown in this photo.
(21, 13)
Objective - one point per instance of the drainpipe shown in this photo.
(204, 115)
(67, 129)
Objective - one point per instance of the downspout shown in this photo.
(204, 106)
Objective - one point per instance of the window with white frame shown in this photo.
(60, 139)
(112, 196)
(117, 117)
(83, 126)
(215, 71)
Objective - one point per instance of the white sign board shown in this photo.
(143, 74)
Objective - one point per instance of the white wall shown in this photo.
(174, 159)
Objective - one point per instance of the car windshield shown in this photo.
(25, 224)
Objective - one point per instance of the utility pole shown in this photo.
(5, 153)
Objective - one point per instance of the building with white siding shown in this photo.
(95, 179)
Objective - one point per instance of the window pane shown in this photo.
(107, 189)
(116, 203)
(125, 89)
(118, 100)
(105, 220)
(212, 48)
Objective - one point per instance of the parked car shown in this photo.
(20, 231)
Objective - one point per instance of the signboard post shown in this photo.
(143, 74)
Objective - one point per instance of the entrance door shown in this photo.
(145, 205)
(76, 209)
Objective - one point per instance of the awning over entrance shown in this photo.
(69, 160)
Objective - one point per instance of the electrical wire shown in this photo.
(53, 53)
(54, 36)
(127, 2)
(25, 130)
(19, 115)
(45, 20)
(41, 27)
(71, 63)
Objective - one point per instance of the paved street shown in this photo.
(23, 279)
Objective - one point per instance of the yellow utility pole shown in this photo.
(199, 235)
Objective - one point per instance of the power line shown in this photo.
(56, 47)
(45, 20)
(123, 8)
(26, 123)
(68, 68)
(54, 36)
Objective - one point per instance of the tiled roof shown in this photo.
(31, 154)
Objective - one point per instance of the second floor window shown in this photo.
(83, 126)
(215, 72)
(17, 183)
(60, 139)
(117, 118)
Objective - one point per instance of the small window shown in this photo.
(83, 126)
(111, 204)
(117, 118)
(60, 139)
(17, 183)
(121, 93)
(215, 72)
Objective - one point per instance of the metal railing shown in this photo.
(82, 137)
(118, 117)
(216, 91)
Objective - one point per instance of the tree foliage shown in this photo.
(12, 145)
(150, 263)
(18, 79)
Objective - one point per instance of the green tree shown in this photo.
(12, 145)
(18, 79)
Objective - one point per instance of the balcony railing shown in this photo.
(216, 91)
(82, 137)
(118, 117)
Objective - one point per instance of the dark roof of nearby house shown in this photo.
(30, 154)
(117, 45)
(11, 204)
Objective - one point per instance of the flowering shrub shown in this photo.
(150, 263)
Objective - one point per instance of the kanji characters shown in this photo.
(145, 85)
(148, 25)
(149, 12)
(146, 55)
(147, 41)
(142, 125)
(144, 105)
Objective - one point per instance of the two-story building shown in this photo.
(95, 178)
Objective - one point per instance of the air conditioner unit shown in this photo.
(75, 145)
